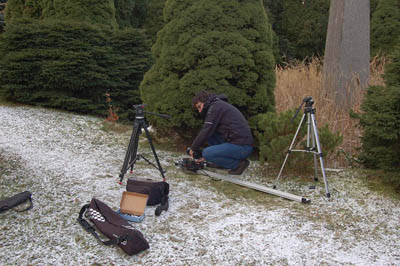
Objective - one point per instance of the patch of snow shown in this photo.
(65, 160)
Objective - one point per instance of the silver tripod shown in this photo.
(312, 134)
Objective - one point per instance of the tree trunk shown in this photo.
(347, 51)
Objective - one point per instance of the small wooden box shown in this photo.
(133, 203)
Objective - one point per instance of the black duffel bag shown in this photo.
(157, 192)
(13, 201)
(113, 226)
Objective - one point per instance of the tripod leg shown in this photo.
(290, 150)
(328, 194)
(314, 155)
(134, 156)
(131, 152)
(154, 151)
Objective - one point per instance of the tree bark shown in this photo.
(347, 50)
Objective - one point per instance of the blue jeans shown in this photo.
(225, 154)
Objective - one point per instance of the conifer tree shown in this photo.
(130, 13)
(300, 26)
(90, 11)
(381, 120)
(72, 65)
(385, 26)
(222, 46)
(132, 58)
(154, 18)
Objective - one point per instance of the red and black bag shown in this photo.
(113, 226)
(156, 190)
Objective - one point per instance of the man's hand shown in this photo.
(200, 160)
(192, 154)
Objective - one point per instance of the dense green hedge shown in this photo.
(89, 11)
(133, 59)
(385, 27)
(154, 18)
(300, 27)
(71, 65)
(381, 120)
(222, 46)
(131, 13)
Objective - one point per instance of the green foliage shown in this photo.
(221, 46)
(392, 70)
(381, 124)
(275, 134)
(130, 13)
(71, 65)
(381, 120)
(385, 27)
(154, 18)
(90, 11)
(132, 56)
(373, 5)
(41, 60)
(22, 8)
(300, 26)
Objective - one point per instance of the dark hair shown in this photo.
(201, 96)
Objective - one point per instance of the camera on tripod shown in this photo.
(308, 100)
(131, 155)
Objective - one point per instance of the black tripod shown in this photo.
(131, 155)
(312, 134)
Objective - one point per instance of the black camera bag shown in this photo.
(10, 202)
(113, 226)
(156, 190)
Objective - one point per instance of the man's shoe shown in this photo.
(241, 167)
(213, 165)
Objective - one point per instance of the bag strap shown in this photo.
(85, 224)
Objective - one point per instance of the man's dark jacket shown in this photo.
(226, 120)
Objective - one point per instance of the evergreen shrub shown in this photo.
(89, 11)
(71, 65)
(154, 18)
(131, 13)
(300, 27)
(222, 46)
(385, 27)
(132, 58)
(380, 120)
(275, 133)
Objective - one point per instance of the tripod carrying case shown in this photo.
(113, 226)
(157, 192)
(13, 201)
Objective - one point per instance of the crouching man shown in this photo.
(225, 130)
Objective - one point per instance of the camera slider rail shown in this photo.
(191, 166)
(254, 186)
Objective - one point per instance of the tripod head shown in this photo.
(309, 103)
(140, 112)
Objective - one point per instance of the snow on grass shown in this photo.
(66, 159)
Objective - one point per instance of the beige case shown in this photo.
(133, 203)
